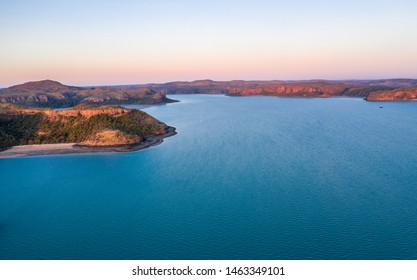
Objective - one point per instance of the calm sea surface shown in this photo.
(245, 178)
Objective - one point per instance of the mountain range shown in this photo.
(382, 90)
(53, 94)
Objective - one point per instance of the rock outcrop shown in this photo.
(399, 94)
(110, 138)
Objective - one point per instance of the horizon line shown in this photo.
(211, 80)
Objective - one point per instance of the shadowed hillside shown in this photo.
(53, 94)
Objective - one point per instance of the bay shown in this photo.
(244, 178)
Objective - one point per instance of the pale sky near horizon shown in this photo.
(92, 42)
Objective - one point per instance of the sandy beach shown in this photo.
(73, 148)
(36, 150)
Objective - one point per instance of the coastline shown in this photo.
(74, 148)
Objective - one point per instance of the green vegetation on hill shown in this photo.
(18, 129)
(20, 126)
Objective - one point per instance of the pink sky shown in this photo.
(107, 43)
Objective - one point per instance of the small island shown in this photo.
(81, 129)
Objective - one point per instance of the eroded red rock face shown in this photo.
(273, 88)
(401, 94)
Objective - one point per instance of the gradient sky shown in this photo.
(126, 42)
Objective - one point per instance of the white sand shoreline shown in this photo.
(73, 148)
(41, 149)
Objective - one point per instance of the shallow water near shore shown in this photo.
(244, 178)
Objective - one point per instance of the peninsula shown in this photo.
(81, 129)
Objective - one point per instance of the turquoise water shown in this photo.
(245, 178)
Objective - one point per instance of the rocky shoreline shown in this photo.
(74, 148)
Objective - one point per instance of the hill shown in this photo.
(53, 94)
(87, 125)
